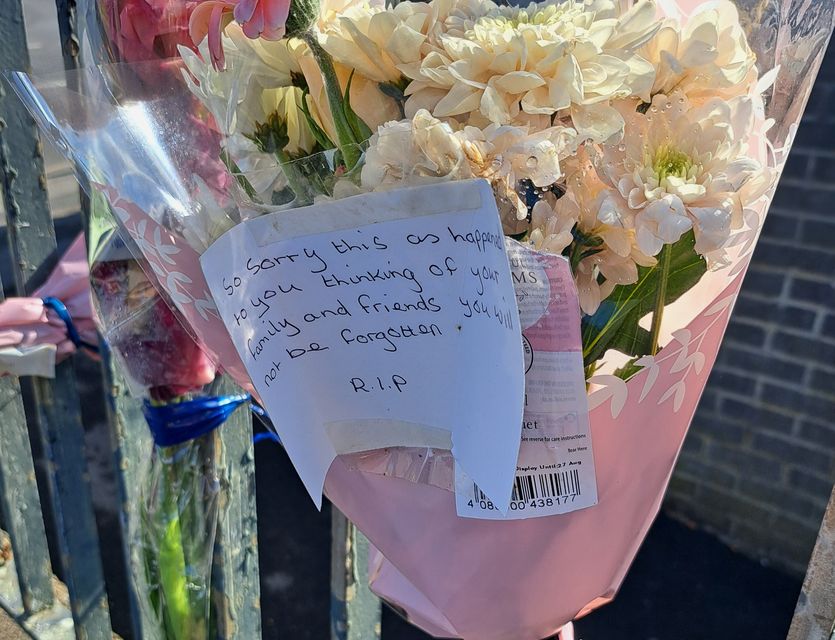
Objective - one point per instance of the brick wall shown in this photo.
(759, 462)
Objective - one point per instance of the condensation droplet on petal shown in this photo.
(531, 162)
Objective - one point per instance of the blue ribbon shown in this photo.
(179, 422)
(62, 312)
(266, 436)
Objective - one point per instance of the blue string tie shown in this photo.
(63, 313)
(175, 423)
(266, 436)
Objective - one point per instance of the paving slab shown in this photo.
(9, 629)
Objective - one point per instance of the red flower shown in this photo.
(158, 354)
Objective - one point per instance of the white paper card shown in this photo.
(555, 471)
(379, 320)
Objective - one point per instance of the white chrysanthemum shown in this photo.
(604, 254)
(228, 96)
(292, 56)
(707, 57)
(256, 83)
(377, 41)
(264, 78)
(506, 65)
(426, 149)
(281, 64)
(681, 167)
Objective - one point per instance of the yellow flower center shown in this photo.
(669, 161)
(539, 18)
(513, 20)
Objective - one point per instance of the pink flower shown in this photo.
(157, 351)
(147, 29)
(258, 19)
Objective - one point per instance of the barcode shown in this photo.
(545, 485)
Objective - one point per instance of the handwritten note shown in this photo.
(384, 319)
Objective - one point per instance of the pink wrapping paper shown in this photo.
(538, 574)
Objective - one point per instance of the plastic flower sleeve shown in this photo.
(165, 191)
(174, 523)
(107, 119)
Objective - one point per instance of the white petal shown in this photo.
(598, 122)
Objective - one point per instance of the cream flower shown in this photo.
(287, 104)
(375, 40)
(293, 56)
(505, 65)
(395, 156)
(256, 84)
(550, 231)
(226, 95)
(426, 149)
(603, 251)
(681, 167)
(265, 80)
(284, 64)
(708, 57)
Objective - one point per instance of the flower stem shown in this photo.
(172, 565)
(236, 172)
(661, 297)
(346, 142)
(296, 182)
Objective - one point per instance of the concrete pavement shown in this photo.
(9, 629)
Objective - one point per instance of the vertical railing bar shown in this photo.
(355, 610)
(19, 501)
(235, 575)
(132, 445)
(62, 434)
(129, 436)
(70, 35)
(58, 416)
(67, 31)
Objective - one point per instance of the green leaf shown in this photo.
(615, 324)
(235, 170)
(346, 139)
(628, 370)
(318, 133)
(632, 339)
(361, 130)
(396, 91)
(101, 224)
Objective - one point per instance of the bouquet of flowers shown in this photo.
(183, 487)
(627, 151)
